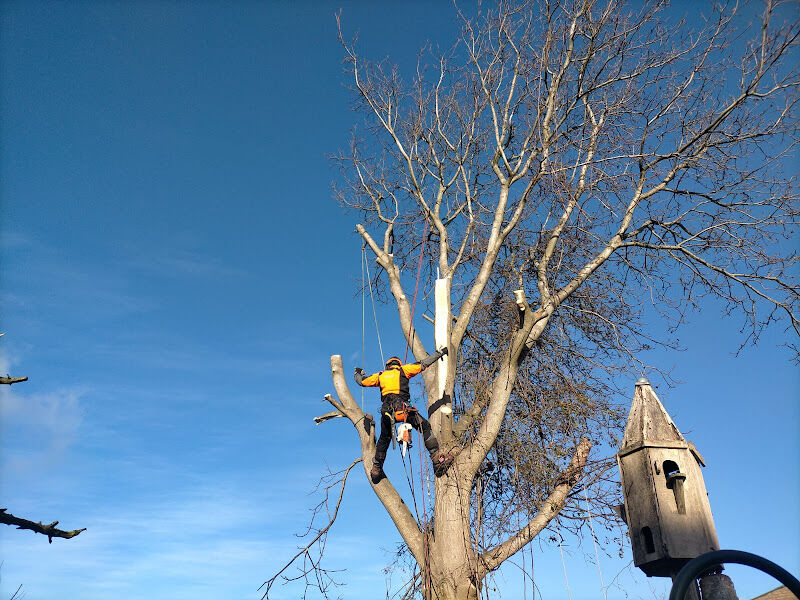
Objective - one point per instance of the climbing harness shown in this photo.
(402, 415)
(399, 419)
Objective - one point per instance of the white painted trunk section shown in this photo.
(442, 332)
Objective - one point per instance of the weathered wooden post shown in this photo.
(666, 505)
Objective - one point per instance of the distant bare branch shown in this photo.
(311, 571)
(49, 530)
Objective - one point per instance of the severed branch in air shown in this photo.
(49, 530)
(311, 571)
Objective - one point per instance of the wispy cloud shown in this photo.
(180, 258)
(38, 428)
(12, 240)
(148, 350)
(5, 364)
(207, 541)
(44, 278)
(187, 264)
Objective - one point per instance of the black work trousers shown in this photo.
(395, 402)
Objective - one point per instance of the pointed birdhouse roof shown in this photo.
(649, 424)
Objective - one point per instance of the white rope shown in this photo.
(533, 578)
(525, 574)
(522, 562)
(374, 313)
(594, 541)
(363, 314)
(564, 565)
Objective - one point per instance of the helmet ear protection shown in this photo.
(394, 361)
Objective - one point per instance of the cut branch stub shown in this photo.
(328, 416)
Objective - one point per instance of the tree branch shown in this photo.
(321, 534)
(548, 510)
(49, 530)
(328, 416)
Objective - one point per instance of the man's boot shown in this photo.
(376, 473)
(441, 462)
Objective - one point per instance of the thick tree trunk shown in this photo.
(446, 591)
(454, 565)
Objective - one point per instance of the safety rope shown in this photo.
(424, 520)
(533, 578)
(374, 312)
(563, 565)
(409, 479)
(416, 288)
(406, 468)
(468, 546)
(594, 542)
(425, 523)
(524, 574)
(363, 314)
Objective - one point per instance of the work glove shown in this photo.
(358, 375)
(442, 352)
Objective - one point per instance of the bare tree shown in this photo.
(565, 164)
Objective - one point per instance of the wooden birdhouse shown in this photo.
(666, 504)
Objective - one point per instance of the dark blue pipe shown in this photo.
(709, 560)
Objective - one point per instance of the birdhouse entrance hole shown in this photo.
(647, 536)
(675, 480)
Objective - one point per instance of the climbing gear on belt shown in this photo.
(404, 428)
(402, 415)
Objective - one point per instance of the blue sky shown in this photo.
(175, 276)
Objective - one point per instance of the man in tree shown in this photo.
(395, 398)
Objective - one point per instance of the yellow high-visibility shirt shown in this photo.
(393, 380)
